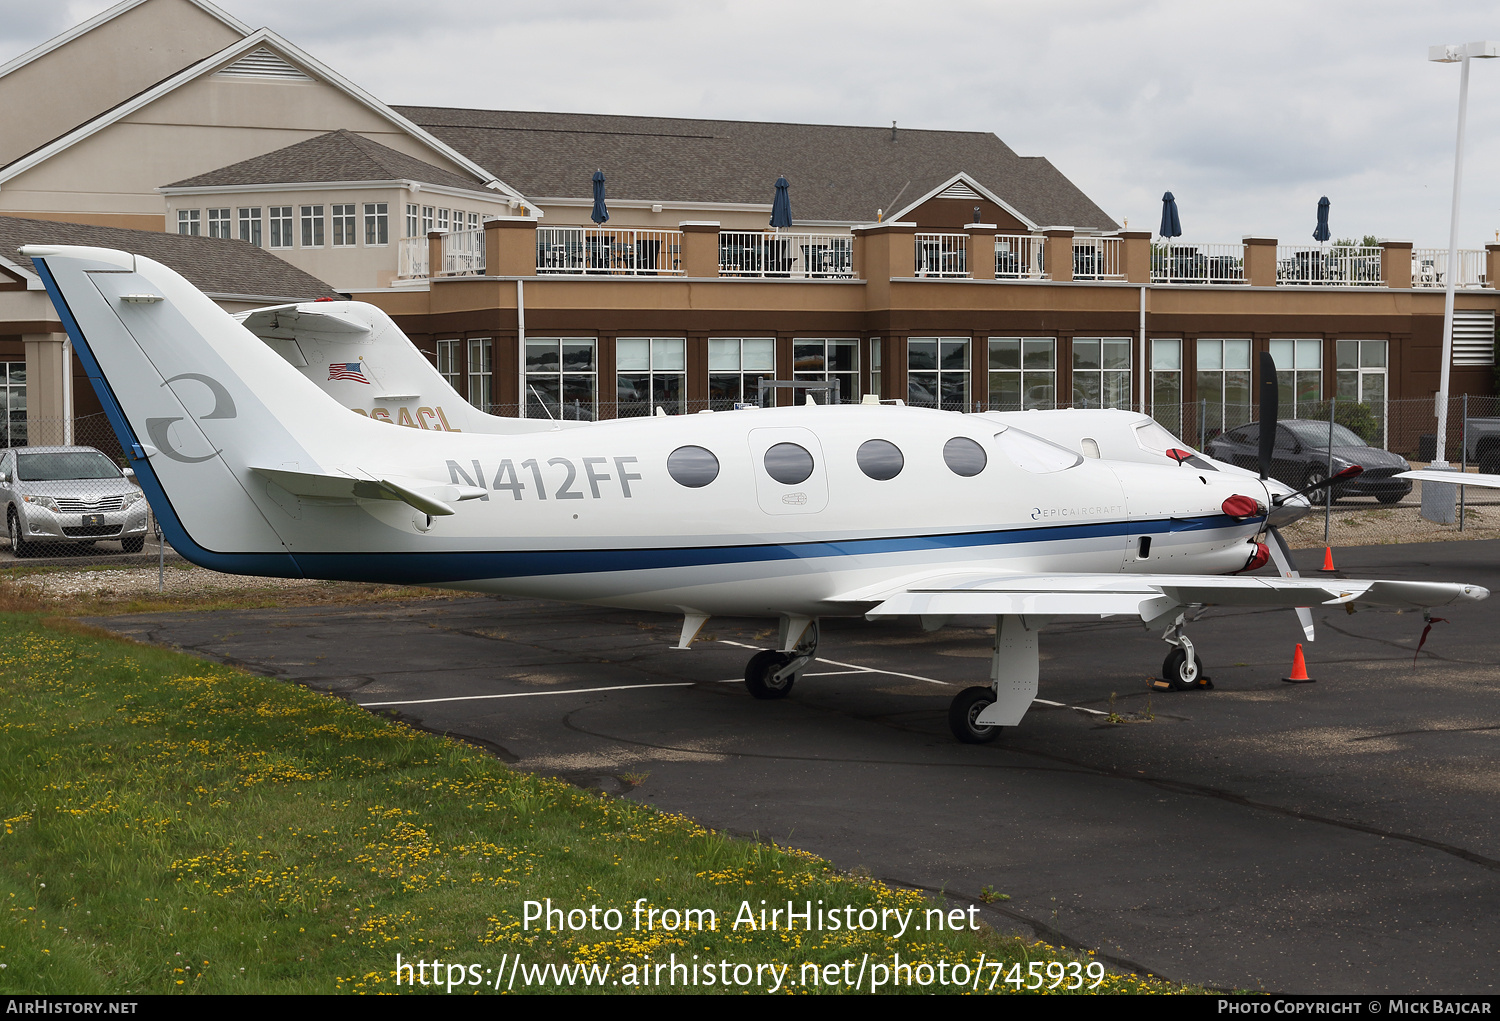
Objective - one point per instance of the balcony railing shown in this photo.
(412, 259)
(626, 251)
(463, 253)
(1429, 267)
(1174, 263)
(1097, 259)
(775, 254)
(1020, 257)
(942, 255)
(1336, 266)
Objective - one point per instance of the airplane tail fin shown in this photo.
(195, 400)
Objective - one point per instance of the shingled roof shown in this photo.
(838, 174)
(219, 267)
(335, 156)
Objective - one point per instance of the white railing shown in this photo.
(1020, 257)
(1429, 267)
(1335, 266)
(412, 264)
(1177, 263)
(776, 254)
(463, 253)
(627, 251)
(1097, 259)
(942, 255)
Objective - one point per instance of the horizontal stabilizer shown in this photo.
(424, 496)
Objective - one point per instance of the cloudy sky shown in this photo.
(1246, 112)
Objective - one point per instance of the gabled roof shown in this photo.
(81, 28)
(219, 267)
(839, 174)
(338, 156)
(260, 38)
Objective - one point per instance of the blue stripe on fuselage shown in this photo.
(462, 565)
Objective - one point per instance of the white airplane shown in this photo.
(791, 513)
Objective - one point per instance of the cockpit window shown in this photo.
(1034, 454)
(1155, 439)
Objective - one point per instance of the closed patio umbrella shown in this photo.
(1322, 233)
(1171, 227)
(781, 206)
(600, 213)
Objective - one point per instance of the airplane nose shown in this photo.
(1293, 508)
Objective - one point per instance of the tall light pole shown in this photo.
(1451, 54)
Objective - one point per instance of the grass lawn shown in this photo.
(172, 825)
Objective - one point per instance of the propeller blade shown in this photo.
(1269, 399)
(1353, 471)
(1281, 556)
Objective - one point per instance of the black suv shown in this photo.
(1300, 458)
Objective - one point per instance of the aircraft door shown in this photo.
(791, 475)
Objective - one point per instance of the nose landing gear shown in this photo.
(1182, 670)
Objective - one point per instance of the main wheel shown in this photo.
(133, 543)
(759, 673)
(965, 710)
(1175, 669)
(19, 547)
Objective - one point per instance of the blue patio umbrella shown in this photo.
(781, 206)
(1171, 227)
(1322, 233)
(600, 214)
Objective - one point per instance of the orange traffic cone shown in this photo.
(1328, 567)
(1299, 669)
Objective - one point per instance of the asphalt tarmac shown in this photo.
(1339, 836)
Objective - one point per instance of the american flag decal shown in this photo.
(347, 370)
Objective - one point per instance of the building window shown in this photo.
(481, 395)
(312, 226)
(442, 219)
(1223, 385)
(218, 223)
(1361, 377)
(474, 223)
(343, 225)
(447, 362)
(377, 224)
(13, 388)
(735, 366)
(426, 220)
(1299, 376)
(188, 222)
(877, 384)
(250, 225)
(1023, 373)
(824, 361)
(281, 226)
(561, 378)
(649, 373)
(1101, 372)
(937, 373)
(413, 224)
(1166, 384)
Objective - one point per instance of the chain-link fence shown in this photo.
(68, 498)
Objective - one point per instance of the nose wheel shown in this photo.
(1182, 670)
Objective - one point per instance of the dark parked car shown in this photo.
(1300, 457)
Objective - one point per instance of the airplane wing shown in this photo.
(1453, 478)
(1154, 598)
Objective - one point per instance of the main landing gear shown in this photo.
(978, 714)
(771, 673)
(1182, 670)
